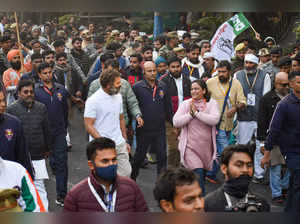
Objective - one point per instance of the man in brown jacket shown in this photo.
(104, 190)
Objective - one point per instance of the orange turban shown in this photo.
(11, 54)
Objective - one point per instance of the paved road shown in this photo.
(78, 170)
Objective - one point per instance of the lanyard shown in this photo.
(222, 89)
(191, 71)
(48, 91)
(154, 93)
(229, 203)
(112, 199)
(253, 84)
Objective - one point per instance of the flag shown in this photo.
(222, 42)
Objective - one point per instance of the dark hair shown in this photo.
(161, 40)
(138, 56)
(165, 186)
(185, 35)
(108, 77)
(113, 46)
(252, 47)
(43, 66)
(24, 83)
(173, 59)
(60, 55)
(36, 56)
(34, 41)
(76, 39)
(224, 63)
(47, 52)
(58, 43)
(106, 56)
(99, 40)
(203, 85)
(147, 48)
(230, 150)
(293, 75)
(192, 47)
(98, 144)
(112, 62)
(5, 38)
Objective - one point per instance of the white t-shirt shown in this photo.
(179, 89)
(106, 109)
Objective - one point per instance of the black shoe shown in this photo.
(59, 201)
(258, 180)
(69, 148)
(285, 193)
(278, 201)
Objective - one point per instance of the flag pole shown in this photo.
(19, 42)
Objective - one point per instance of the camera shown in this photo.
(251, 205)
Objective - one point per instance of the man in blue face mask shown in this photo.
(234, 195)
(104, 190)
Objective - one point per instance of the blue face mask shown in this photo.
(107, 173)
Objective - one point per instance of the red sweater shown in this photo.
(129, 197)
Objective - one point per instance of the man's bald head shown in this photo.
(282, 83)
(150, 71)
(282, 76)
(149, 63)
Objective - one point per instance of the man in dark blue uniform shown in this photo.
(156, 107)
(55, 97)
(12, 141)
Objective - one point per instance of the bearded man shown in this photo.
(255, 83)
(106, 119)
(230, 97)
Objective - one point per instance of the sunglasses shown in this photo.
(26, 92)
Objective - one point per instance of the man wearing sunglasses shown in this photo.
(278, 183)
(34, 118)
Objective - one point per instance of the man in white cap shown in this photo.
(209, 63)
(255, 83)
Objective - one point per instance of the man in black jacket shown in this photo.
(267, 106)
(179, 88)
(237, 166)
(34, 118)
(12, 141)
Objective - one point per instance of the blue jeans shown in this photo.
(276, 183)
(222, 139)
(59, 162)
(293, 200)
(201, 173)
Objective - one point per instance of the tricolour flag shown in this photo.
(222, 43)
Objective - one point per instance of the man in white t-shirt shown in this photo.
(103, 117)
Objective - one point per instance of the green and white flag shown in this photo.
(222, 43)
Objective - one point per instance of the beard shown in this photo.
(176, 75)
(223, 79)
(16, 65)
(194, 61)
(113, 90)
(250, 71)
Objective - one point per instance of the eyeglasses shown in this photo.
(26, 92)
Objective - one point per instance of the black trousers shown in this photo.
(157, 141)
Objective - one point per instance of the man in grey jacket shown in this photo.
(34, 118)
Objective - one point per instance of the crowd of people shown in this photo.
(166, 100)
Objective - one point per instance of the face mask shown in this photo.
(237, 187)
(107, 173)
